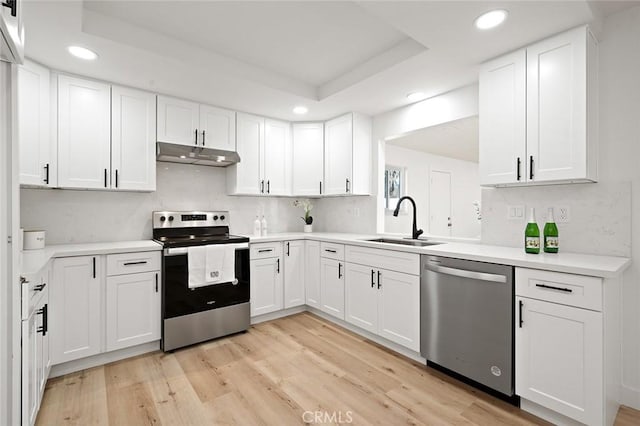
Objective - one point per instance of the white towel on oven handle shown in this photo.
(196, 259)
(213, 264)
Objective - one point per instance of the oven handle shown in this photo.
(184, 250)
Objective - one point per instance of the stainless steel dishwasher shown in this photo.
(466, 320)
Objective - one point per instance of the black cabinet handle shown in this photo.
(520, 312)
(330, 251)
(531, 167)
(39, 287)
(13, 5)
(278, 263)
(46, 173)
(347, 185)
(105, 178)
(550, 287)
(373, 274)
(196, 136)
(45, 319)
(141, 262)
(203, 138)
(94, 267)
(265, 250)
(156, 283)
(339, 270)
(262, 186)
(116, 178)
(268, 187)
(320, 187)
(379, 284)
(519, 176)
(288, 249)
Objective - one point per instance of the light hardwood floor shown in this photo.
(272, 375)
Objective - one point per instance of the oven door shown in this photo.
(178, 299)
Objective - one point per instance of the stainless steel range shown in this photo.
(205, 279)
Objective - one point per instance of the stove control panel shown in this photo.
(168, 219)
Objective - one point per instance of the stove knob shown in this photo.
(170, 218)
(222, 217)
(215, 217)
(162, 218)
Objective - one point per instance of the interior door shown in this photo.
(276, 157)
(218, 128)
(440, 203)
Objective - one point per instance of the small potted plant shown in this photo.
(307, 218)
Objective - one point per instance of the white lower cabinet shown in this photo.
(312, 274)
(332, 287)
(132, 309)
(76, 308)
(266, 285)
(384, 302)
(294, 273)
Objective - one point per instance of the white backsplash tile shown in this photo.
(600, 221)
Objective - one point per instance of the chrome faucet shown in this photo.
(415, 231)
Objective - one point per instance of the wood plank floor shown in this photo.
(283, 372)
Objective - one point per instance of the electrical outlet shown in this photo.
(515, 212)
(563, 214)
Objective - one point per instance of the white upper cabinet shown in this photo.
(133, 127)
(502, 124)
(245, 176)
(189, 123)
(347, 155)
(178, 121)
(538, 113)
(84, 133)
(218, 128)
(276, 157)
(34, 129)
(308, 155)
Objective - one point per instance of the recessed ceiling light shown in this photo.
(491, 19)
(82, 53)
(415, 96)
(300, 110)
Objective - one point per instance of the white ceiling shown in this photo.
(266, 57)
(455, 139)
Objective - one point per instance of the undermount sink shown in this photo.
(406, 242)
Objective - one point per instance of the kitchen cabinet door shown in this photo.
(133, 145)
(76, 325)
(399, 308)
(218, 128)
(178, 121)
(312, 274)
(245, 177)
(276, 158)
(559, 358)
(294, 273)
(84, 133)
(266, 286)
(308, 158)
(502, 124)
(30, 359)
(361, 297)
(332, 287)
(34, 129)
(338, 155)
(559, 144)
(132, 309)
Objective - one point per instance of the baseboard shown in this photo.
(101, 359)
(630, 397)
(546, 414)
(278, 314)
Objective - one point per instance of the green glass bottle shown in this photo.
(532, 234)
(550, 234)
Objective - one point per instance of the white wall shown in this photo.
(465, 189)
(93, 216)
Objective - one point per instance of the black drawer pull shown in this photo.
(330, 251)
(39, 287)
(550, 287)
(265, 250)
(141, 262)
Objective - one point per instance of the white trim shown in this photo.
(630, 397)
(102, 359)
(278, 314)
(546, 414)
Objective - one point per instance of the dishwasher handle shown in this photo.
(482, 276)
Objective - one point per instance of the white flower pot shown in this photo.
(308, 228)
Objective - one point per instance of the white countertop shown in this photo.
(34, 260)
(573, 263)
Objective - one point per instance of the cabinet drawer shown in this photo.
(266, 250)
(332, 251)
(568, 289)
(408, 263)
(32, 290)
(132, 263)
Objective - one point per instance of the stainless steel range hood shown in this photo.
(202, 156)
